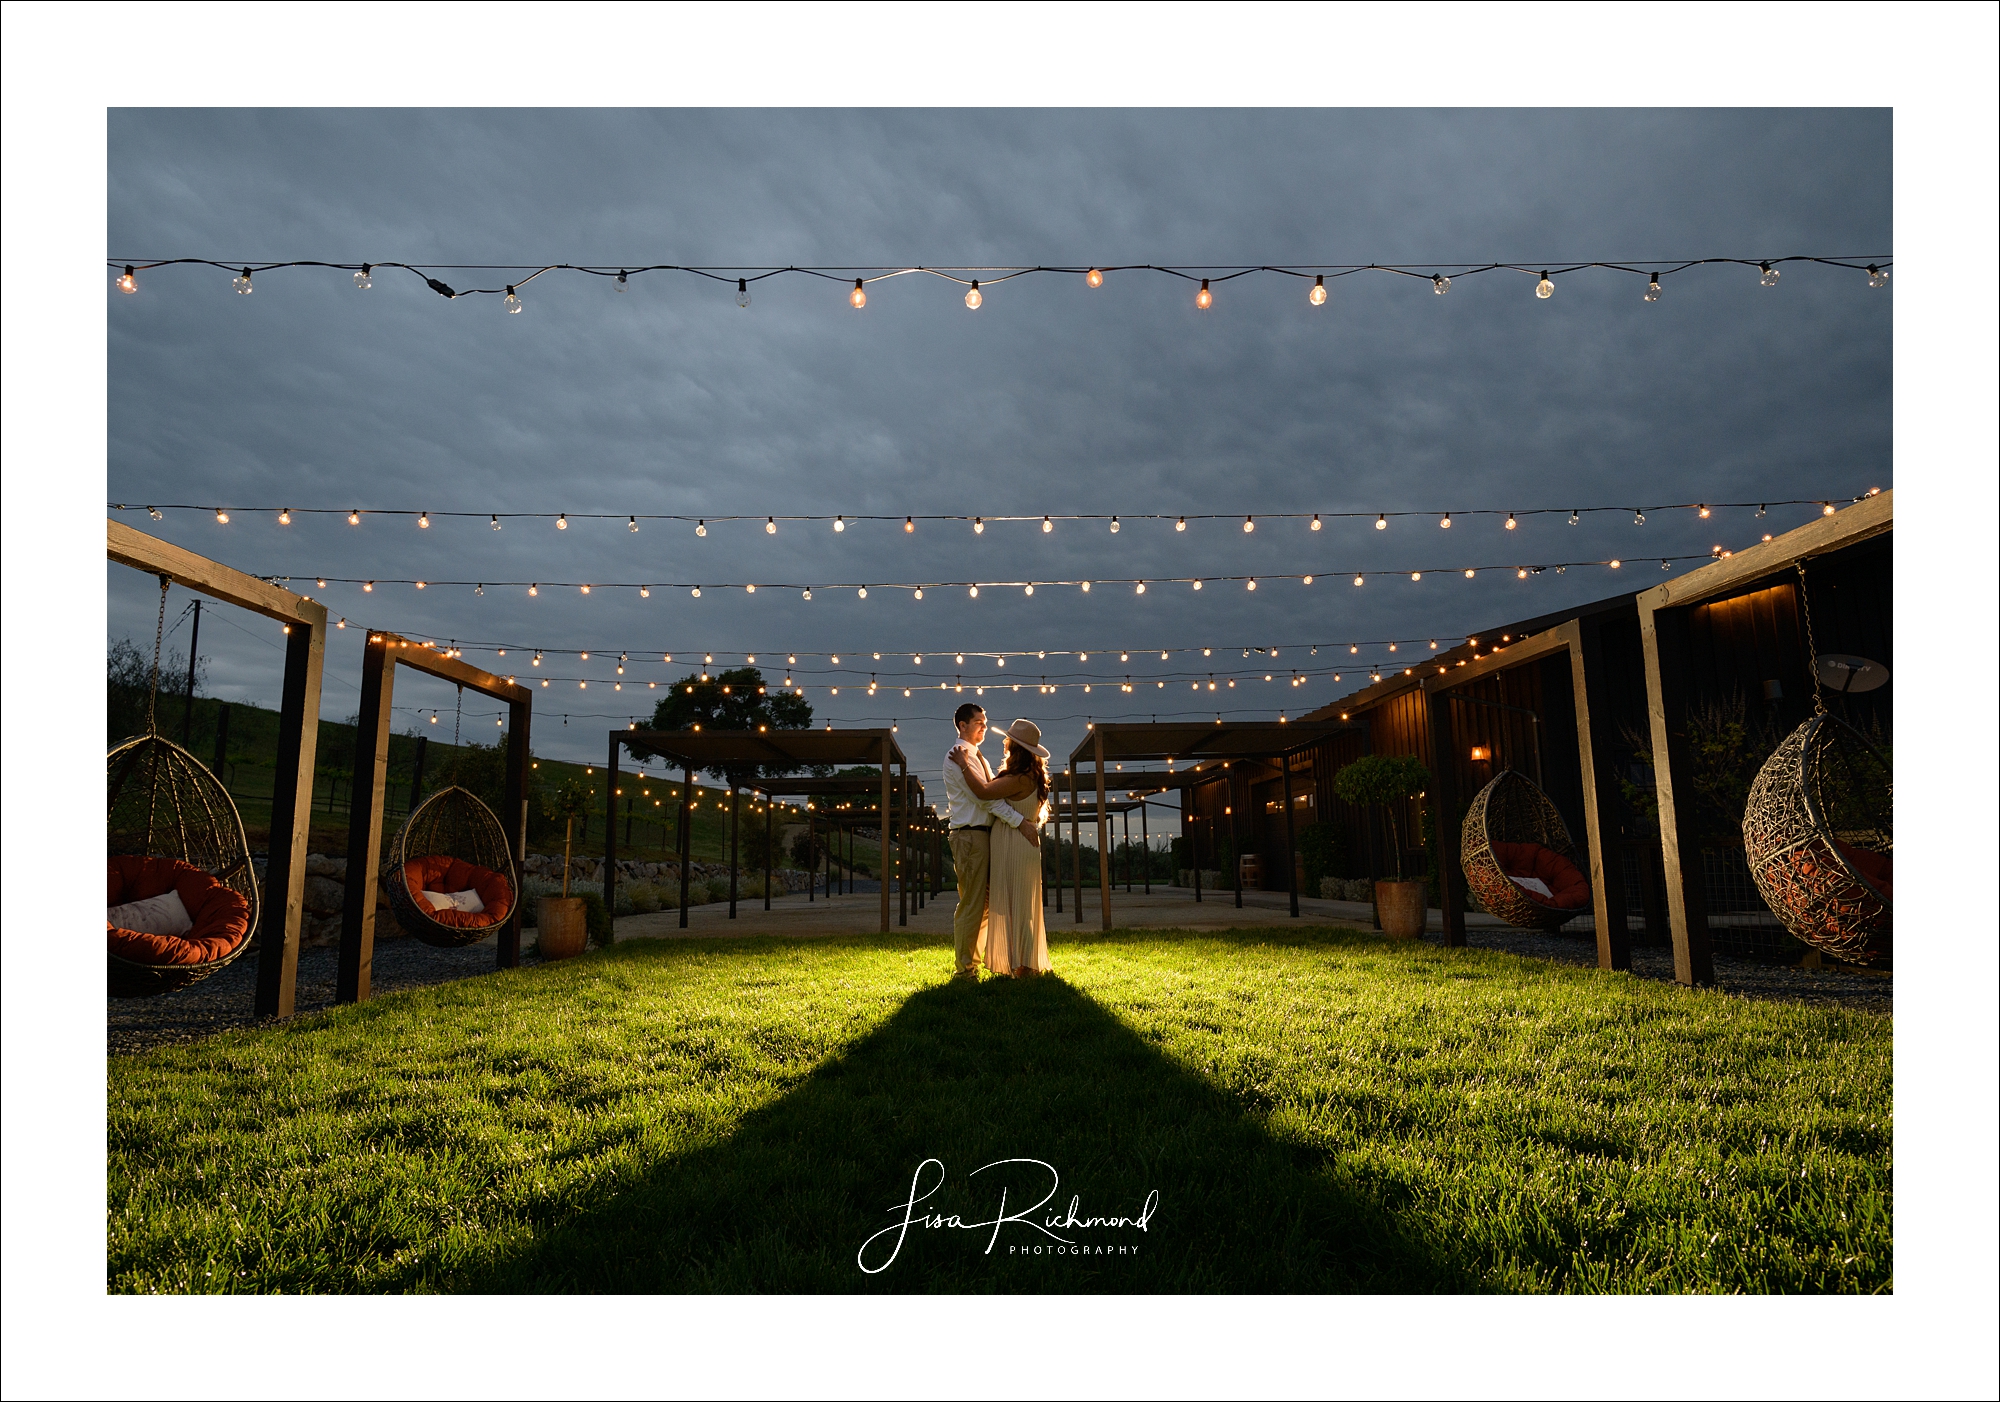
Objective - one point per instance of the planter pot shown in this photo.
(1399, 906)
(560, 929)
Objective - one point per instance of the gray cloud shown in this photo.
(1052, 397)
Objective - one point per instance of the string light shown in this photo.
(909, 525)
(1703, 513)
(354, 518)
(513, 299)
(859, 296)
(1826, 509)
(619, 286)
(1545, 289)
(1093, 278)
(1047, 525)
(1574, 517)
(1315, 521)
(1510, 520)
(839, 524)
(423, 521)
(972, 297)
(285, 518)
(1445, 524)
(1114, 525)
(1877, 277)
(221, 517)
(1653, 288)
(156, 513)
(496, 523)
(362, 280)
(742, 292)
(1180, 523)
(701, 528)
(1318, 294)
(632, 524)
(645, 592)
(1638, 518)
(1249, 525)
(1440, 284)
(242, 283)
(1769, 275)
(1204, 299)
(128, 283)
(978, 526)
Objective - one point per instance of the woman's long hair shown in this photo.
(1019, 759)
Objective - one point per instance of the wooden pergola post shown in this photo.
(1664, 636)
(1103, 835)
(1600, 792)
(371, 767)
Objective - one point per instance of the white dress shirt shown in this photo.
(965, 809)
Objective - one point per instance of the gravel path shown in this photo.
(225, 1001)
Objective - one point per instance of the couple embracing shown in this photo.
(996, 845)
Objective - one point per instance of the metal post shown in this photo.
(1235, 832)
(417, 773)
(1076, 844)
(735, 840)
(1103, 834)
(514, 803)
(194, 647)
(611, 830)
(812, 856)
(1146, 842)
(767, 851)
(902, 877)
(1125, 849)
(882, 834)
(1291, 836)
(686, 838)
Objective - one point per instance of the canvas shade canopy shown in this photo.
(765, 748)
(1200, 746)
(275, 909)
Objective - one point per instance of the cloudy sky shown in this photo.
(1051, 398)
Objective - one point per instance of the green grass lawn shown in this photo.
(1316, 1110)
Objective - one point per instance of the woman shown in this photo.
(1017, 942)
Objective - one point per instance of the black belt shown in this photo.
(983, 827)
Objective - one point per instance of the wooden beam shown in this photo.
(364, 824)
(291, 819)
(1664, 635)
(1521, 650)
(411, 653)
(1864, 520)
(126, 546)
(1587, 671)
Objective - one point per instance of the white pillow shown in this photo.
(1531, 883)
(467, 901)
(156, 915)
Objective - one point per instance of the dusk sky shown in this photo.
(1052, 397)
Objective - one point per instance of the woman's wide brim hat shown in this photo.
(1026, 734)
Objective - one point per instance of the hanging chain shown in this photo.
(159, 636)
(457, 712)
(1812, 648)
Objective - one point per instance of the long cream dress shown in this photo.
(1016, 937)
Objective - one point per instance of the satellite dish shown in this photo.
(1845, 673)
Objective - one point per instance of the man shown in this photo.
(971, 820)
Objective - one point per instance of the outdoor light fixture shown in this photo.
(423, 520)
(1203, 299)
(1545, 289)
(1877, 277)
(1095, 278)
(1768, 275)
(562, 520)
(1480, 752)
(242, 283)
(859, 296)
(1440, 284)
(1653, 289)
(1318, 295)
(972, 297)
(128, 283)
(742, 292)
(513, 299)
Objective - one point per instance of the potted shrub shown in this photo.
(561, 928)
(1384, 781)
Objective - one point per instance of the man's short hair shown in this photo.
(966, 712)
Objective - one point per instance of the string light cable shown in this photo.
(979, 282)
(769, 521)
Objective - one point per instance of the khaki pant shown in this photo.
(971, 851)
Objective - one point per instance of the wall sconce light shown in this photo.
(1480, 752)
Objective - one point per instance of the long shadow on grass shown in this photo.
(967, 1075)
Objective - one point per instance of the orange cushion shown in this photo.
(221, 916)
(443, 872)
(1877, 867)
(1569, 889)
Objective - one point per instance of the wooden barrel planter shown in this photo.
(1400, 908)
(561, 931)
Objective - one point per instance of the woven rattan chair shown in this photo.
(452, 842)
(1819, 835)
(1513, 830)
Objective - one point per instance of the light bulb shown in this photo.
(420, 584)
(1180, 524)
(919, 593)
(479, 591)
(354, 518)
(770, 525)
(1359, 581)
(369, 587)
(423, 520)
(1638, 518)
(1306, 579)
(1094, 278)
(322, 583)
(584, 587)
(1574, 517)
(909, 525)
(1416, 575)
(975, 591)
(619, 286)
(1653, 289)
(1617, 564)
(1250, 584)
(513, 299)
(1204, 298)
(742, 292)
(1704, 512)
(972, 297)
(1315, 521)
(1318, 295)
(1520, 574)
(1768, 275)
(858, 297)
(221, 516)
(1197, 584)
(701, 528)
(1086, 586)
(562, 520)
(1445, 524)
(1469, 574)
(806, 594)
(749, 588)
(1545, 289)
(1029, 591)
(1877, 277)
(632, 524)
(1760, 510)
(285, 519)
(128, 283)
(242, 283)
(1114, 525)
(1142, 587)
(156, 513)
(862, 592)
(1826, 509)
(1163, 655)
(1440, 284)
(1510, 520)
(1248, 525)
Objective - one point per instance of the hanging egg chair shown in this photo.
(452, 847)
(182, 898)
(1517, 855)
(1819, 835)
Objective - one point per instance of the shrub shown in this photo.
(1324, 848)
(646, 898)
(595, 919)
(1384, 781)
(718, 890)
